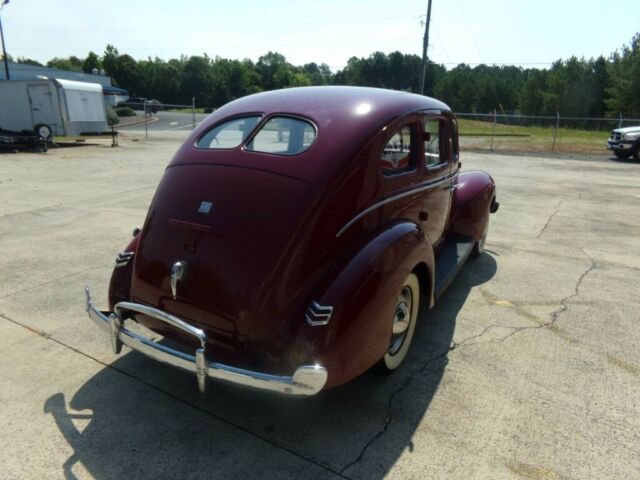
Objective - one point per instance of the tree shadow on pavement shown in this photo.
(136, 418)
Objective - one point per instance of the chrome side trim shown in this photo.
(318, 314)
(123, 259)
(306, 380)
(408, 193)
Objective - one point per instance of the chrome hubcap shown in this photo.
(401, 320)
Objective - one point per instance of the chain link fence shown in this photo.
(150, 107)
(478, 131)
(525, 133)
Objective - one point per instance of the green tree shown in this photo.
(109, 59)
(531, 96)
(624, 71)
(28, 61)
(126, 74)
(92, 61)
(73, 64)
(197, 81)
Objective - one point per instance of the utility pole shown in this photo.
(425, 45)
(4, 50)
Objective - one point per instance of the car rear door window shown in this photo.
(434, 147)
(399, 153)
(228, 134)
(283, 136)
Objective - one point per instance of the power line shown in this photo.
(216, 27)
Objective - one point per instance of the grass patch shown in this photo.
(185, 110)
(477, 134)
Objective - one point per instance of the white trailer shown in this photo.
(51, 107)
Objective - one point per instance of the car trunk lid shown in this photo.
(229, 228)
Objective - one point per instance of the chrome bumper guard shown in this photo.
(306, 380)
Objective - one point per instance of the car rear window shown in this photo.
(283, 136)
(229, 134)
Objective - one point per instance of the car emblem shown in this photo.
(178, 274)
(205, 207)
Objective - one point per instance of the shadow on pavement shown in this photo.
(139, 419)
(629, 159)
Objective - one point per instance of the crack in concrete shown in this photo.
(549, 220)
(389, 416)
(554, 317)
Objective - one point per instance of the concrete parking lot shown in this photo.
(529, 366)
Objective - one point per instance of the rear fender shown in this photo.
(120, 284)
(363, 296)
(473, 198)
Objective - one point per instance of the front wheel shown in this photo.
(622, 156)
(636, 154)
(403, 324)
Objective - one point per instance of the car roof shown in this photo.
(345, 117)
(334, 107)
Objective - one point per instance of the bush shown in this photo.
(112, 116)
(125, 112)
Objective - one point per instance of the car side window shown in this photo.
(399, 153)
(434, 141)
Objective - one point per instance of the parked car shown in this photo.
(295, 237)
(625, 142)
(138, 103)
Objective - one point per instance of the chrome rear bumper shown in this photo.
(306, 380)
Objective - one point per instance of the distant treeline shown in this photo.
(575, 87)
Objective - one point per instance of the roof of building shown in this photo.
(23, 71)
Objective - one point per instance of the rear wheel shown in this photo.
(636, 154)
(621, 155)
(43, 131)
(404, 323)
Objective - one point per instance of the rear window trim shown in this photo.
(265, 119)
(230, 119)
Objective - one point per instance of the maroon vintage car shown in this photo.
(293, 236)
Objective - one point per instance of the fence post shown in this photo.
(555, 132)
(146, 132)
(493, 131)
(620, 124)
(193, 110)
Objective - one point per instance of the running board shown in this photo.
(451, 259)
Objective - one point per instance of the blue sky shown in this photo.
(524, 32)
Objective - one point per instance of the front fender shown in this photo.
(473, 198)
(364, 295)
